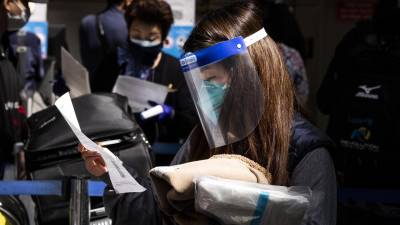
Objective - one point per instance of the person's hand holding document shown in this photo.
(121, 180)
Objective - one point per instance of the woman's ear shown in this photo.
(15, 7)
(8, 5)
(127, 3)
(166, 41)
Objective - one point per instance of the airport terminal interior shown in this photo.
(203, 112)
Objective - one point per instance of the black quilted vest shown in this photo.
(305, 139)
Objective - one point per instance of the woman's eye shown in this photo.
(210, 78)
(154, 38)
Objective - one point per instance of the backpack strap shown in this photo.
(2, 52)
(102, 35)
(3, 47)
(21, 53)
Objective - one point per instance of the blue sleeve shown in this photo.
(122, 55)
(89, 43)
(36, 60)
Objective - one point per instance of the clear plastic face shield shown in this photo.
(226, 89)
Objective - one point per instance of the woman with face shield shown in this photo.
(246, 106)
(149, 22)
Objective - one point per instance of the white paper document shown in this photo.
(76, 76)
(46, 85)
(120, 178)
(140, 92)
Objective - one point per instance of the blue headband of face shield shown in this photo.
(219, 51)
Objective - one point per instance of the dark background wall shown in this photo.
(317, 19)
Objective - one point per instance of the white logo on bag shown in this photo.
(52, 119)
(11, 105)
(367, 92)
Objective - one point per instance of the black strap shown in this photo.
(108, 70)
(21, 51)
(102, 35)
(2, 52)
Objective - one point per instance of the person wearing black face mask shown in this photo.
(18, 15)
(141, 56)
(149, 22)
(24, 47)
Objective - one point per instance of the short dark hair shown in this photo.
(111, 2)
(157, 12)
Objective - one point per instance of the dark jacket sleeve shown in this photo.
(83, 40)
(316, 171)
(137, 208)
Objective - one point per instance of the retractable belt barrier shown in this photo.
(96, 189)
(47, 187)
(369, 195)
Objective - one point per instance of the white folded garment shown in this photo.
(246, 203)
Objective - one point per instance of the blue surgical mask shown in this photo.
(211, 98)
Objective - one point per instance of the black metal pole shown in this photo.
(79, 202)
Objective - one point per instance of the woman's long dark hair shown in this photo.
(268, 144)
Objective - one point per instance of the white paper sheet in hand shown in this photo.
(76, 76)
(139, 92)
(120, 178)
